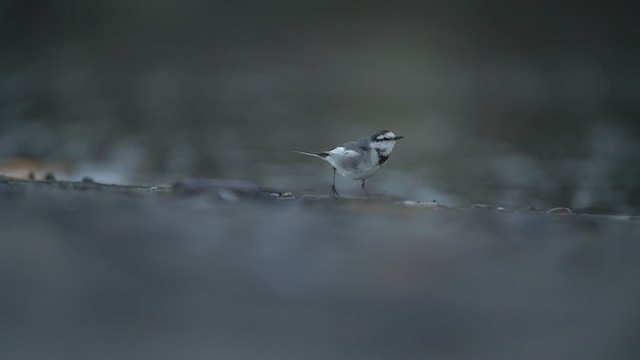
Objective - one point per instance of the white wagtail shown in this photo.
(359, 159)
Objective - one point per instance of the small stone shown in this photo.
(281, 195)
(559, 210)
(417, 204)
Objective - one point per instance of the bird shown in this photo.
(358, 159)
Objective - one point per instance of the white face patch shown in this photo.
(385, 146)
(386, 136)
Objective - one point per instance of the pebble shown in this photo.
(559, 210)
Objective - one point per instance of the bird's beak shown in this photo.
(398, 137)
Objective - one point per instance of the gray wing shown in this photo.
(352, 154)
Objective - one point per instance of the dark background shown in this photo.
(521, 103)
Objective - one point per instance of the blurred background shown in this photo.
(521, 103)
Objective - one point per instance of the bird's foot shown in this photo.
(333, 193)
(365, 191)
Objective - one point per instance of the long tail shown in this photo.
(321, 155)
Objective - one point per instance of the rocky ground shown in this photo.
(228, 270)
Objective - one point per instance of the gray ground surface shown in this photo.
(140, 273)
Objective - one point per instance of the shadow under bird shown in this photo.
(359, 159)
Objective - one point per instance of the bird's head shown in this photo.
(384, 140)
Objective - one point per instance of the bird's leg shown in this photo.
(333, 193)
(365, 190)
